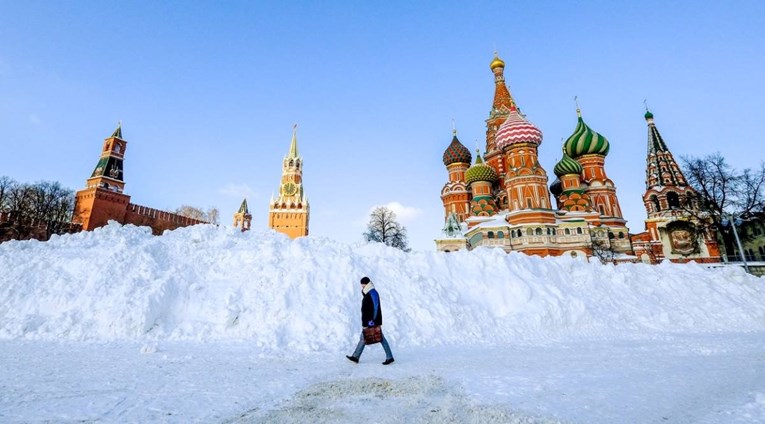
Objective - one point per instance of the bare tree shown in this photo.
(602, 249)
(36, 210)
(383, 228)
(722, 190)
(6, 185)
(212, 215)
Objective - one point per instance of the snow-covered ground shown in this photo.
(207, 324)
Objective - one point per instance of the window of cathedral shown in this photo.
(579, 230)
(568, 232)
(673, 200)
(500, 235)
(529, 232)
(655, 201)
(621, 235)
(539, 231)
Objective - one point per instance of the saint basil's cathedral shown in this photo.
(502, 199)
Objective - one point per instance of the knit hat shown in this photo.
(365, 280)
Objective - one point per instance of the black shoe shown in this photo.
(353, 358)
(388, 361)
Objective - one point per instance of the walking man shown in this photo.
(371, 316)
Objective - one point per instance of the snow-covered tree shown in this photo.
(383, 228)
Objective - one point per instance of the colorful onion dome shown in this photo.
(567, 166)
(497, 62)
(516, 129)
(556, 188)
(480, 171)
(585, 141)
(456, 152)
(648, 114)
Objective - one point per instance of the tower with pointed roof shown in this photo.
(243, 218)
(676, 228)
(103, 197)
(289, 213)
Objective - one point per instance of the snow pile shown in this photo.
(210, 283)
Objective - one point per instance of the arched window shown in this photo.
(292, 162)
(673, 200)
(500, 235)
(621, 234)
(491, 234)
(655, 201)
(579, 230)
(568, 232)
(529, 232)
(610, 235)
(539, 231)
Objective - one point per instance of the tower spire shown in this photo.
(293, 153)
(661, 169)
(118, 132)
(503, 100)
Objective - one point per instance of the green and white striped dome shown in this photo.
(585, 141)
(480, 171)
(567, 166)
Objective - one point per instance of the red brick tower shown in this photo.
(103, 199)
(290, 212)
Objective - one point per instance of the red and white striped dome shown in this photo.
(516, 129)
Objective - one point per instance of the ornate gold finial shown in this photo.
(578, 111)
(497, 62)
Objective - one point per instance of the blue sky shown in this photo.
(208, 92)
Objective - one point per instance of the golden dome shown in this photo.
(497, 62)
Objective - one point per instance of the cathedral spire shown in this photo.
(503, 101)
(661, 169)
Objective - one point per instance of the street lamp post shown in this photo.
(733, 223)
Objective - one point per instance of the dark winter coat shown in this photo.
(370, 309)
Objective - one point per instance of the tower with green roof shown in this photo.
(243, 218)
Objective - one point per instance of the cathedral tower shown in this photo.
(590, 149)
(500, 108)
(243, 218)
(455, 194)
(676, 228)
(103, 198)
(528, 198)
(289, 213)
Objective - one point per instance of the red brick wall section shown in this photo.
(158, 220)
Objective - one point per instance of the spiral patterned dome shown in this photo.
(556, 188)
(516, 129)
(456, 152)
(567, 166)
(480, 172)
(585, 141)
